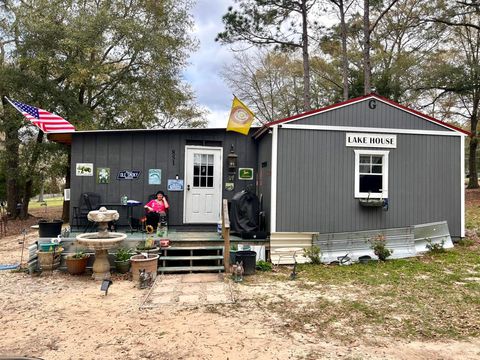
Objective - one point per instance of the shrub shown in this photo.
(313, 253)
(264, 265)
(435, 248)
(378, 244)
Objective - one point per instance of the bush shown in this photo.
(378, 244)
(264, 265)
(313, 253)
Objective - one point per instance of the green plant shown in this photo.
(378, 244)
(79, 254)
(435, 248)
(263, 265)
(233, 247)
(123, 254)
(313, 253)
(142, 246)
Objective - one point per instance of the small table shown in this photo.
(129, 207)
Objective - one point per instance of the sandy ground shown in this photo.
(58, 316)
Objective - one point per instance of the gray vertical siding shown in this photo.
(264, 175)
(316, 183)
(143, 150)
(360, 115)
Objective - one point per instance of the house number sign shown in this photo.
(371, 140)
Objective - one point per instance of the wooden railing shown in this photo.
(226, 236)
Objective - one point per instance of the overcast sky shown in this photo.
(203, 74)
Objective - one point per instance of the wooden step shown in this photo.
(193, 257)
(193, 248)
(190, 268)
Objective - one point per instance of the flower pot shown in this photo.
(122, 266)
(49, 260)
(140, 262)
(49, 229)
(76, 266)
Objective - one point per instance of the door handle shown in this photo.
(188, 187)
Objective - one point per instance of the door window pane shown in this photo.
(203, 170)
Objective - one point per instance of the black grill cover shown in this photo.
(244, 212)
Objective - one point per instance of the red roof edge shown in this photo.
(371, 95)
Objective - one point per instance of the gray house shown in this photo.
(361, 165)
(364, 164)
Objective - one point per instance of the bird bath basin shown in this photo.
(101, 241)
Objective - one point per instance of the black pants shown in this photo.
(154, 218)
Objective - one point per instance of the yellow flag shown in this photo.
(241, 117)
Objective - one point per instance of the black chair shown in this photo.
(88, 201)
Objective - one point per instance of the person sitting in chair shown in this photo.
(156, 208)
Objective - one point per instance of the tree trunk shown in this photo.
(66, 204)
(366, 47)
(343, 26)
(472, 159)
(27, 193)
(12, 145)
(306, 60)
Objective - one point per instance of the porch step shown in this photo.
(164, 269)
(193, 248)
(193, 257)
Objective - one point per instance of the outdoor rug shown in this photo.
(188, 290)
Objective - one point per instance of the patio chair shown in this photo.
(88, 201)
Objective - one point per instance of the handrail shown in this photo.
(226, 236)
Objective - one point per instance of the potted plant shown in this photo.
(77, 263)
(122, 260)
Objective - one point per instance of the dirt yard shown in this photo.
(58, 316)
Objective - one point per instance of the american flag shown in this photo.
(46, 121)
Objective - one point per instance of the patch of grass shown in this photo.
(432, 297)
(50, 203)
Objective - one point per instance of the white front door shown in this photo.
(203, 184)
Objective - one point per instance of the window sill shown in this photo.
(371, 202)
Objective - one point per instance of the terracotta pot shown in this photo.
(76, 266)
(140, 262)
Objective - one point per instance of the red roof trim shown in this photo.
(372, 95)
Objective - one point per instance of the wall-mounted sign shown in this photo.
(154, 176)
(128, 175)
(175, 185)
(229, 186)
(245, 173)
(84, 169)
(371, 140)
(103, 175)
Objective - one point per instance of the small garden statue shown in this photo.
(145, 279)
(237, 271)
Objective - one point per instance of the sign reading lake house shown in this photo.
(128, 175)
(371, 140)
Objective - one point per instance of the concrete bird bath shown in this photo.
(101, 241)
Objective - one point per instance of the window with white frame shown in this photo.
(371, 174)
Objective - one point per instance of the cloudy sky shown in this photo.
(203, 74)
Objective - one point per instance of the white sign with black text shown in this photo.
(371, 140)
